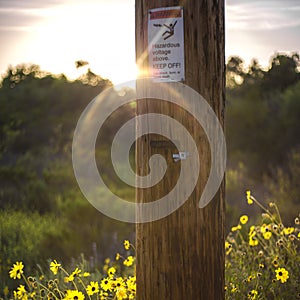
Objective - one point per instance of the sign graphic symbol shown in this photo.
(170, 30)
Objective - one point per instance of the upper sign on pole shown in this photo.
(166, 44)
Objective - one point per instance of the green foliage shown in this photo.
(262, 260)
(283, 187)
(115, 280)
(263, 114)
(262, 125)
(38, 116)
(38, 190)
(22, 236)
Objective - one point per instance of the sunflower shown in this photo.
(282, 274)
(17, 270)
(126, 245)
(92, 288)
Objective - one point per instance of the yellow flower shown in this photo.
(86, 274)
(252, 231)
(106, 284)
(228, 247)
(21, 289)
(111, 272)
(103, 295)
(21, 293)
(67, 294)
(118, 283)
(131, 284)
(74, 295)
(121, 293)
(267, 235)
(282, 274)
(263, 228)
(244, 219)
(69, 278)
(249, 197)
(17, 270)
(252, 295)
(253, 241)
(107, 261)
(118, 256)
(92, 288)
(74, 274)
(129, 261)
(54, 266)
(235, 228)
(288, 230)
(126, 245)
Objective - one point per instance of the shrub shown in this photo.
(262, 260)
(21, 237)
(115, 281)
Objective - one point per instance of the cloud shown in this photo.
(17, 19)
(28, 3)
(16, 15)
(262, 14)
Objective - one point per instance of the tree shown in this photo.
(234, 71)
(263, 125)
(38, 116)
(281, 64)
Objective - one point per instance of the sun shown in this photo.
(101, 33)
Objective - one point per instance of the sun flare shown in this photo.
(105, 40)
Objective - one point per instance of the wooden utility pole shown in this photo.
(182, 255)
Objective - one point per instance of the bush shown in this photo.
(116, 280)
(21, 237)
(262, 260)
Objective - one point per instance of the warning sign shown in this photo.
(166, 44)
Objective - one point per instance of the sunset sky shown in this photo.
(56, 33)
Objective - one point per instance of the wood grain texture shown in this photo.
(182, 256)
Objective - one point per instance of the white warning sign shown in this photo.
(166, 44)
